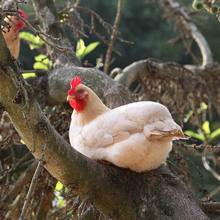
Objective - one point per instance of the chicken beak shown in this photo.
(69, 97)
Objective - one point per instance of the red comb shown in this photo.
(75, 82)
(23, 14)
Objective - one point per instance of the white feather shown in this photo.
(137, 136)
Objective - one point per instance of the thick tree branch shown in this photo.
(57, 83)
(148, 68)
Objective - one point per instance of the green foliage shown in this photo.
(203, 106)
(27, 75)
(59, 186)
(42, 62)
(34, 41)
(16, 175)
(82, 50)
(206, 134)
(65, 16)
(70, 212)
(59, 201)
(99, 63)
(193, 134)
(22, 142)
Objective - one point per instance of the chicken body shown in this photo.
(137, 136)
(11, 35)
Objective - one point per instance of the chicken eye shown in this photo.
(80, 91)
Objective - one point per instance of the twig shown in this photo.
(211, 207)
(40, 33)
(34, 180)
(5, 3)
(211, 194)
(215, 191)
(31, 188)
(38, 72)
(113, 35)
(8, 125)
(194, 31)
(77, 3)
(4, 143)
(15, 166)
(18, 186)
(207, 167)
(83, 205)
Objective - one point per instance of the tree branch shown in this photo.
(194, 31)
(211, 207)
(113, 35)
(17, 188)
(51, 26)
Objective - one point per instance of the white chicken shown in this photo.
(137, 136)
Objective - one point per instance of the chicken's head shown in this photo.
(15, 22)
(18, 22)
(77, 95)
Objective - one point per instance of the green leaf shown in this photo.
(196, 135)
(41, 58)
(65, 16)
(203, 105)
(16, 176)
(206, 128)
(188, 115)
(35, 41)
(214, 133)
(41, 66)
(99, 63)
(27, 75)
(82, 50)
(42, 63)
(89, 49)
(59, 186)
(62, 202)
(70, 212)
(80, 47)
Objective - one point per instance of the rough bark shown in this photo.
(47, 15)
(119, 193)
(57, 83)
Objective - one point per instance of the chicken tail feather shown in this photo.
(175, 134)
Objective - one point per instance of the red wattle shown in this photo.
(77, 104)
